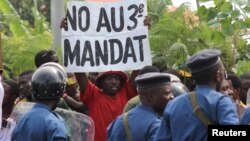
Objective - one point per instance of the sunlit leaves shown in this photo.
(13, 19)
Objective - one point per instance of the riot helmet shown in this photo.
(49, 82)
(178, 88)
(58, 66)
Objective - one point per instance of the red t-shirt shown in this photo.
(103, 109)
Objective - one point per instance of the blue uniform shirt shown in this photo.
(181, 124)
(143, 122)
(40, 124)
(245, 120)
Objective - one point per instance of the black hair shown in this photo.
(235, 80)
(245, 76)
(26, 72)
(206, 76)
(147, 69)
(14, 91)
(174, 72)
(44, 56)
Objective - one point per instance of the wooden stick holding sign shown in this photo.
(103, 36)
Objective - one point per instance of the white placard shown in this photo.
(103, 36)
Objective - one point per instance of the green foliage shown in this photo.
(20, 47)
(241, 67)
(12, 18)
(25, 10)
(244, 51)
(218, 27)
(156, 8)
(176, 36)
(230, 18)
(19, 52)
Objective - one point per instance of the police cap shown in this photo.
(152, 79)
(203, 60)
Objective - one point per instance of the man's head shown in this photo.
(225, 89)
(154, 90)
(245, 80)
(235, 85)
(207, 68)
(11, 92)
(24, 82)
(48, 83)
(45, 56)
(111, 81)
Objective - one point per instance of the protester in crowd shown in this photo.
(225, 89)
(106, 98)
(235, 85)
(24, 82)
(92, 76)
(208, 71)
(142, 121)
(44, 56)
(41, 123)
(228, 90)
(11, 92)
(245, 81)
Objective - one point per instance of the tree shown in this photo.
(231, 18)
(26, 12)
(21, 42)
(215, 27)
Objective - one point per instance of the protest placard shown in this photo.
(104, 36)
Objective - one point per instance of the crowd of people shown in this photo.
(146, 104)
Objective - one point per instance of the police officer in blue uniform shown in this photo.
(245, 120)
(41, 123)
(179, 122)
(142, 121)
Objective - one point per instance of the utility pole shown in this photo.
(57, 14)
(197, 4)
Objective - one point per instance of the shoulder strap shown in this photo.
(197, 110)
(126, 126)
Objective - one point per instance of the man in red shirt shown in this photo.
(107, 98)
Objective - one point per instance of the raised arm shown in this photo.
(75, 105)
(82, 80)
